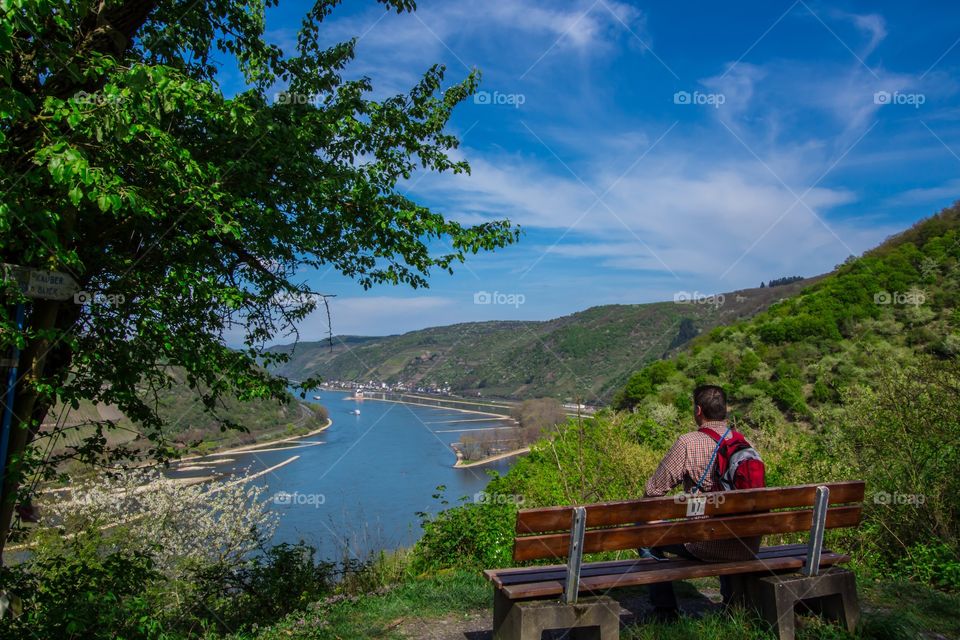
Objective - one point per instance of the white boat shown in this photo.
(356, 412)
(317, 398)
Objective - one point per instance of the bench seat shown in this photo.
(597, 577)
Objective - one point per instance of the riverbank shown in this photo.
(460, 464)
(269, 442)
(454, 404)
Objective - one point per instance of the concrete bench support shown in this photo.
(594, 618)
(832, 594)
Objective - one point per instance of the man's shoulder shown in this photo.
(691, 437)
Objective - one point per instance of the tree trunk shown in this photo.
(22, 428)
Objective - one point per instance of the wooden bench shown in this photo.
(532, 599)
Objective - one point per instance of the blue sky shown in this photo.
(651, 148)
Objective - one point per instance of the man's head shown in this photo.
(709, 403)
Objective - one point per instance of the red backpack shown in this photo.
(739, 466)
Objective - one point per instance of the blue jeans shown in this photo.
(662, 595)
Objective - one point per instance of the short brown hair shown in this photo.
(712, 401)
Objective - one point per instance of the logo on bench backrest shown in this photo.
(696, 505)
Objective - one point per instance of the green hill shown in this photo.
(187, 426)
(586, 355)
(895, 303)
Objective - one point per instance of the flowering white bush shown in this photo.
(219, 521)
(665, 415)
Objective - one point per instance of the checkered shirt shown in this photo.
(685, 463)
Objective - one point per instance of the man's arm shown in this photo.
(670, 472)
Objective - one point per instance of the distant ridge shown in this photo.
(584, 356)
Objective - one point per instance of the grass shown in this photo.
(905, 610)
(891, 611)
(379, 616)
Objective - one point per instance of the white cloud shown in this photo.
(871, 25)
(948, 191)
(676, 214)
(394, 50)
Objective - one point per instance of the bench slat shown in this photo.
(532, 521)
(555, 545)
(678, 570)
(503, 577)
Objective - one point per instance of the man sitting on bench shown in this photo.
(691, 461)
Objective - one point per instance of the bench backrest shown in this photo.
(614, 526)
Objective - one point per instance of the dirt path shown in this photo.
(460, 464)
(476, 625)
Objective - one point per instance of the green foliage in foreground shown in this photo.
(95, 585)
(85, 587)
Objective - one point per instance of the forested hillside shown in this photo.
(893, 305)
(586, 355)
(187, 425)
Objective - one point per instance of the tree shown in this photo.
(536, 416)
(187, 213)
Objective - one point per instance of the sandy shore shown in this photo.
(258, 445)
(460, 464)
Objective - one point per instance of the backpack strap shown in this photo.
(719, 439)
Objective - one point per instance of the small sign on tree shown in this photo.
(45, 285)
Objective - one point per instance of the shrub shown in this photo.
(473, 535)
(902, 438)
(214, 523)
(89, 585)
(788, 394)
(821, 392)
(936, 563)
(283, 579)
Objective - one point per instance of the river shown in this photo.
(359, 489)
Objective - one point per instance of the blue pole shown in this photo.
(8, 409)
